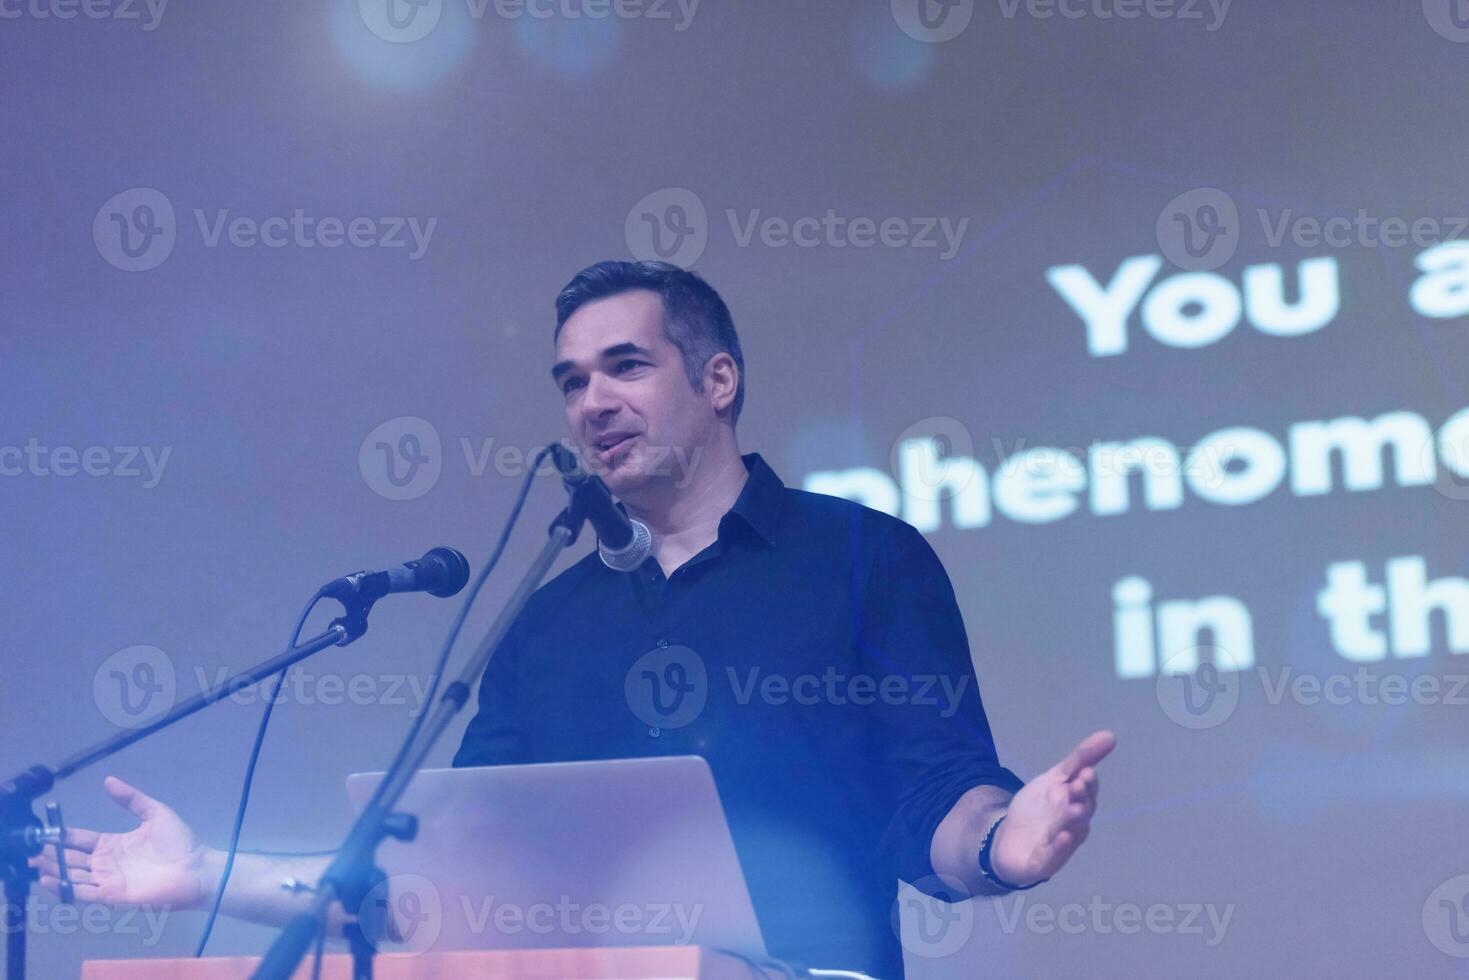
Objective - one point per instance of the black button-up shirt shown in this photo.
(814, 654)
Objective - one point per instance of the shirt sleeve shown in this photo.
(495, 735)
(933, 733)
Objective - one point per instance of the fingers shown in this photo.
(77, 876)
(81, 839)
(1072, 806)
(46, 865)
(45, 862)
(1084, 789)
(87, 892)
(1071, 829)
(141, 804)
(1088, 752)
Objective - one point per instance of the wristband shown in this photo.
(988, 870)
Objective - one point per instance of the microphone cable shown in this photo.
(229, 859)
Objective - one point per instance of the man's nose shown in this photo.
(598, 398)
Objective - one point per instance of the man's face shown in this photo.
(630, 409)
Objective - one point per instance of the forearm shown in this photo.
(257, 891)
(954, 851)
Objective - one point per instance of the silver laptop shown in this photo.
(626, 852)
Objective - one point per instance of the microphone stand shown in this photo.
(23, 836)
(353, 873)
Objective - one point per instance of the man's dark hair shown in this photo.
(695, 319)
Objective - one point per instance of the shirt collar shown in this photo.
(760, 499)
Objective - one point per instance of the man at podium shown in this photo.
(810, 648)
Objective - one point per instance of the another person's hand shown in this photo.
(157, 863)
(1051, 815)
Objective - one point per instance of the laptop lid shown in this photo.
(622, 852)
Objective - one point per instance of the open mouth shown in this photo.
(606, 447)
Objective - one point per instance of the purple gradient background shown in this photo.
(1060, 140)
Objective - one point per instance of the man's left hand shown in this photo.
(1051, 815)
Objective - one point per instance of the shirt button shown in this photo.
(663, 643)
(654, 732)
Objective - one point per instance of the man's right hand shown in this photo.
(158, 862)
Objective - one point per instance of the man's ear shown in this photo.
(721, 380)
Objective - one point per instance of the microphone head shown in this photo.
(632, 554)
(451, 570)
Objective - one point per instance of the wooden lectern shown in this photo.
(612, 963)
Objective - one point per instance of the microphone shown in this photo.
(623, 542)
(441, 572)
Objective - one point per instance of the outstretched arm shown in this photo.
(161, 863)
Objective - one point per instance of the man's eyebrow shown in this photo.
(616, 350)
